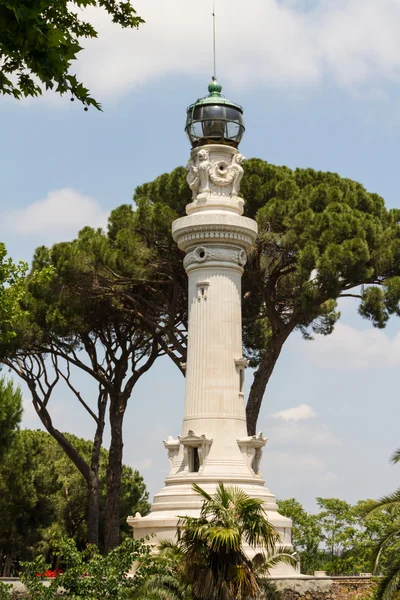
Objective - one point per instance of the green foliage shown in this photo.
(213, 559)
(386, 549)
(75, 314)
(42, 495)
(379, 304)
(27, 488)
(161, 574)
(10, 413)
(337, 523)
(306, 534)
(87, 575)
(321, 238)
(40, 40)
(338, 539)
(5, 591)
(11, 294)
(71, 499)
(208, 561)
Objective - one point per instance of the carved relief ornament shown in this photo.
(203, 254)
(204, 173)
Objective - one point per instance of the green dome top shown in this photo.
(215, 97)
(214, 87)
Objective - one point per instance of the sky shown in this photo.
(320, 85)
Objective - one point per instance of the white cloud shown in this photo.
(57, 217)
(291, 426)
(349, 348)
(303, 434)
(297, 413)
(298, 467)
(355, 42)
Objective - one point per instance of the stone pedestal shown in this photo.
(214, 446)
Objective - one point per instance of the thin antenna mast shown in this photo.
(214, 49)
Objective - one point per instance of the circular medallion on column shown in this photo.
(242, 258)
(200, 254)
(215, 254)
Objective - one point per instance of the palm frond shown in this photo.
(390, 502)
(264, 562)
(258, 531)
(389, 586)
(395, 458)
(244, 582)
(167, 544)
(163, 586)
(224, 538)
(213, 556)
(390, 535)
(168, 549)
(200, 491)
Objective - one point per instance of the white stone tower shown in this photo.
(214, 446)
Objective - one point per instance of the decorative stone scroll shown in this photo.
(251, 448)
(241, 362)
(219, 176)
(173, 449)
(203, 254)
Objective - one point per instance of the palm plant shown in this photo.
(214, 560)
(390, 584)
(161, 586)
(160, 576)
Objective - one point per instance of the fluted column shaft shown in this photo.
(213, 380)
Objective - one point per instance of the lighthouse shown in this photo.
(213, 446)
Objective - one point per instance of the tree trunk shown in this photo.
(93, 509)
(8, 564)
(114, 472)
(90, 473)
(261, 378)
(93, 497)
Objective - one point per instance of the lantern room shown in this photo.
(214, 119)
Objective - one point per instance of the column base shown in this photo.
(178, 499)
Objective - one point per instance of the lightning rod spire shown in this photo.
(214, 48)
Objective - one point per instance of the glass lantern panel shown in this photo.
(232, 114)
(213, 112)
(233, 129)
(197, 114)
(196, 130)
(214, 129)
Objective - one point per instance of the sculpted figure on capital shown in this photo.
(193, 178)
(204, 173)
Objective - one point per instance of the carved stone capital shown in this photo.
(216, 228)
(214, 176)
(205, 254)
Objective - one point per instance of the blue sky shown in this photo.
(319, 83)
